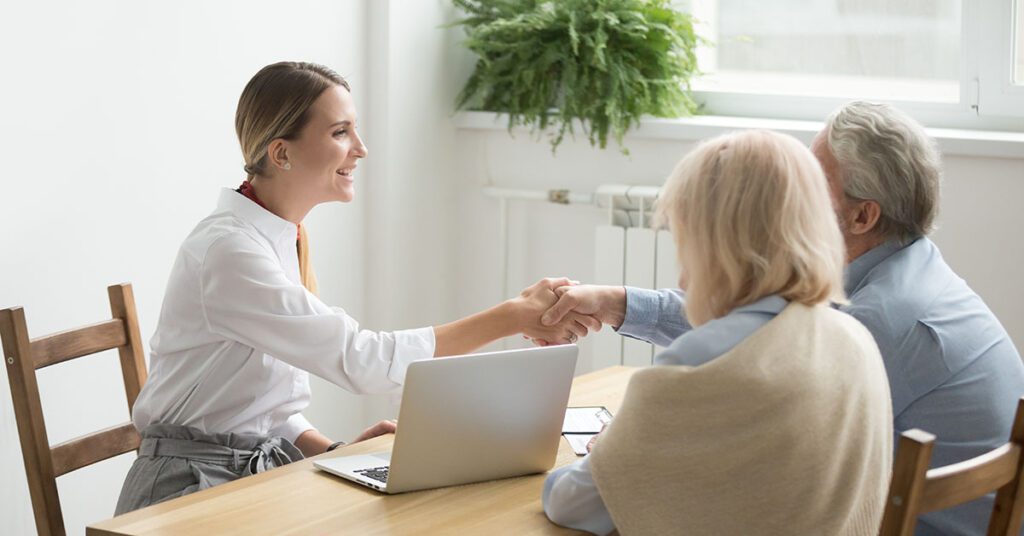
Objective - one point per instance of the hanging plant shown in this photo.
(606, 63)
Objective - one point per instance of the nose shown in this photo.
(360, 149)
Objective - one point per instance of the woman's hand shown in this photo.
(379, 429)
(534, 300)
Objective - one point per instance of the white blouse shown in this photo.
(238, 333)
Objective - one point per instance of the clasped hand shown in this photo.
(537, 299)
(573, 310)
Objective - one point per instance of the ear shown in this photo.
(277, 153)
(865, 217)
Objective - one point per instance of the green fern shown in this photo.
(604, 62)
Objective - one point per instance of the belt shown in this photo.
(272, 453)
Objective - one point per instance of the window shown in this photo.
(944, 61)
(857, 48)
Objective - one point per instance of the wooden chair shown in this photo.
(917, 490)
(23, 356)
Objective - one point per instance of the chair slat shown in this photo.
(961, 482)
(95, 447)
(70, 344)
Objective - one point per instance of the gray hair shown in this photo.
(886, 157)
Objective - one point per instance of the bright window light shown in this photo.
(874, 49)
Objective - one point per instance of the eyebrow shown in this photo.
(341, 123)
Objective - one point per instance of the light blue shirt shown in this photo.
(952, 368)
(570, 496)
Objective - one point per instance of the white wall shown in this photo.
(117, 132)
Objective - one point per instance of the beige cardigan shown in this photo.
(790, 432)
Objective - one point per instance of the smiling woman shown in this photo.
(239, 332)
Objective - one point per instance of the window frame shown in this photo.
(998, 94)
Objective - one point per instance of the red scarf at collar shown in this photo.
(247, 190)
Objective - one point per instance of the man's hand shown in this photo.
(540, 297)
(379, 429)
(606, 304)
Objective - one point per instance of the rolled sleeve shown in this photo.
(654, 316)
(292, 428)
(411, 345)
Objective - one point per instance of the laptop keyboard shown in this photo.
(380, 474)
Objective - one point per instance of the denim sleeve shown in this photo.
(654, 316)
(571, 499)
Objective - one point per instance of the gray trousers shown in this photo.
(177, 460)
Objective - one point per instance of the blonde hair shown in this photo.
(887, 157)
(275, 104)
(751, 216)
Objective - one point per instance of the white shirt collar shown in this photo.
(270, 225)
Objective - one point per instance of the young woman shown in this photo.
(772, 415)
(241, 326)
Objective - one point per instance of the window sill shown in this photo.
(980, 143)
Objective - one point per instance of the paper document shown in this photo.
(585, 420)
(582, 424)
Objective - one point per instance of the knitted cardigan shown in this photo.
(790, 432)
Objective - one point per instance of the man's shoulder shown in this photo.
(914, 303)
(903, 287)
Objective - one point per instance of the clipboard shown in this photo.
(581, 424)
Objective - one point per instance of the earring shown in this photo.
(287, 166)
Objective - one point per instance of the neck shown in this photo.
(860, 244)
(280, 199)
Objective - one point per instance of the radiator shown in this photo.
(636, 257)
(627, 251)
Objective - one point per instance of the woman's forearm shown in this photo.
(517, 315)
(467, 334)
(312, 442)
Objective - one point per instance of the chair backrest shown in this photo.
(917, 490)
(23, 356)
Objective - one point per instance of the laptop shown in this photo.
(470, 419)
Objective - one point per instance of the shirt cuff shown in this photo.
(643, 307)
(411, 345)
(292, 428)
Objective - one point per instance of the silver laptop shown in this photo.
(469, 419)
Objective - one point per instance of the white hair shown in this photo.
(751, 216)
(886, 157)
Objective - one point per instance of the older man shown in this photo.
(952, 368)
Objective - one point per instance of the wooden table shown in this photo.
(298, 499)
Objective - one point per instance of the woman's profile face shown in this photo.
(324, 156)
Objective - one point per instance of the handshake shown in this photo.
(561, 311)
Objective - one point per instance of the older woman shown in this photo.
(771, 416)
(241, 326)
